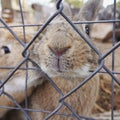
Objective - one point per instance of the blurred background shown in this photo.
(39, 9)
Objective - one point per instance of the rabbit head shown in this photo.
(62, 52)
(10, 51)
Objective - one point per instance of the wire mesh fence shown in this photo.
(23, 65)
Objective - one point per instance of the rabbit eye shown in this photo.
(87, 29)
(6, 49)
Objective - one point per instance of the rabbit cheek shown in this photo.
(52, 64)
(47, 62)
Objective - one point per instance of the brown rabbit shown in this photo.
(67, 59)
(10, 56)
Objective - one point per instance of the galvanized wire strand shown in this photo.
(26, 86)
(75, 22)
(95, 21)
(38, 110)
(21, 68)
(54, 111)
(22, 18)
(1, 89)
(72, 111)
(110, 51)
(113, 63)
(112, 75)
(21, 25)
(26, 77)
(36, 68)
(58, 4)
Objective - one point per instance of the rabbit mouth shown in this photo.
(55, 69)
(60, 69)
(60, 66)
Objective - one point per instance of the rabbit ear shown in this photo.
(89, 9)
(67, 10)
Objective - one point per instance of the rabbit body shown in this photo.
(67, 59)
(10, 56)
(82, 101)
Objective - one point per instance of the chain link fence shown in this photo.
(102, 68)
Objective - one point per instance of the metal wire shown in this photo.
(25, 53)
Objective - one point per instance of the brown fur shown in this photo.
(12, 59)
(75, 56)
(6, 101)
(82, 101)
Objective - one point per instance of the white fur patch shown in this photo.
(18, 83)
(83, 71)
(44, 68)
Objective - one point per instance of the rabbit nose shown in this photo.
(59, 51)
